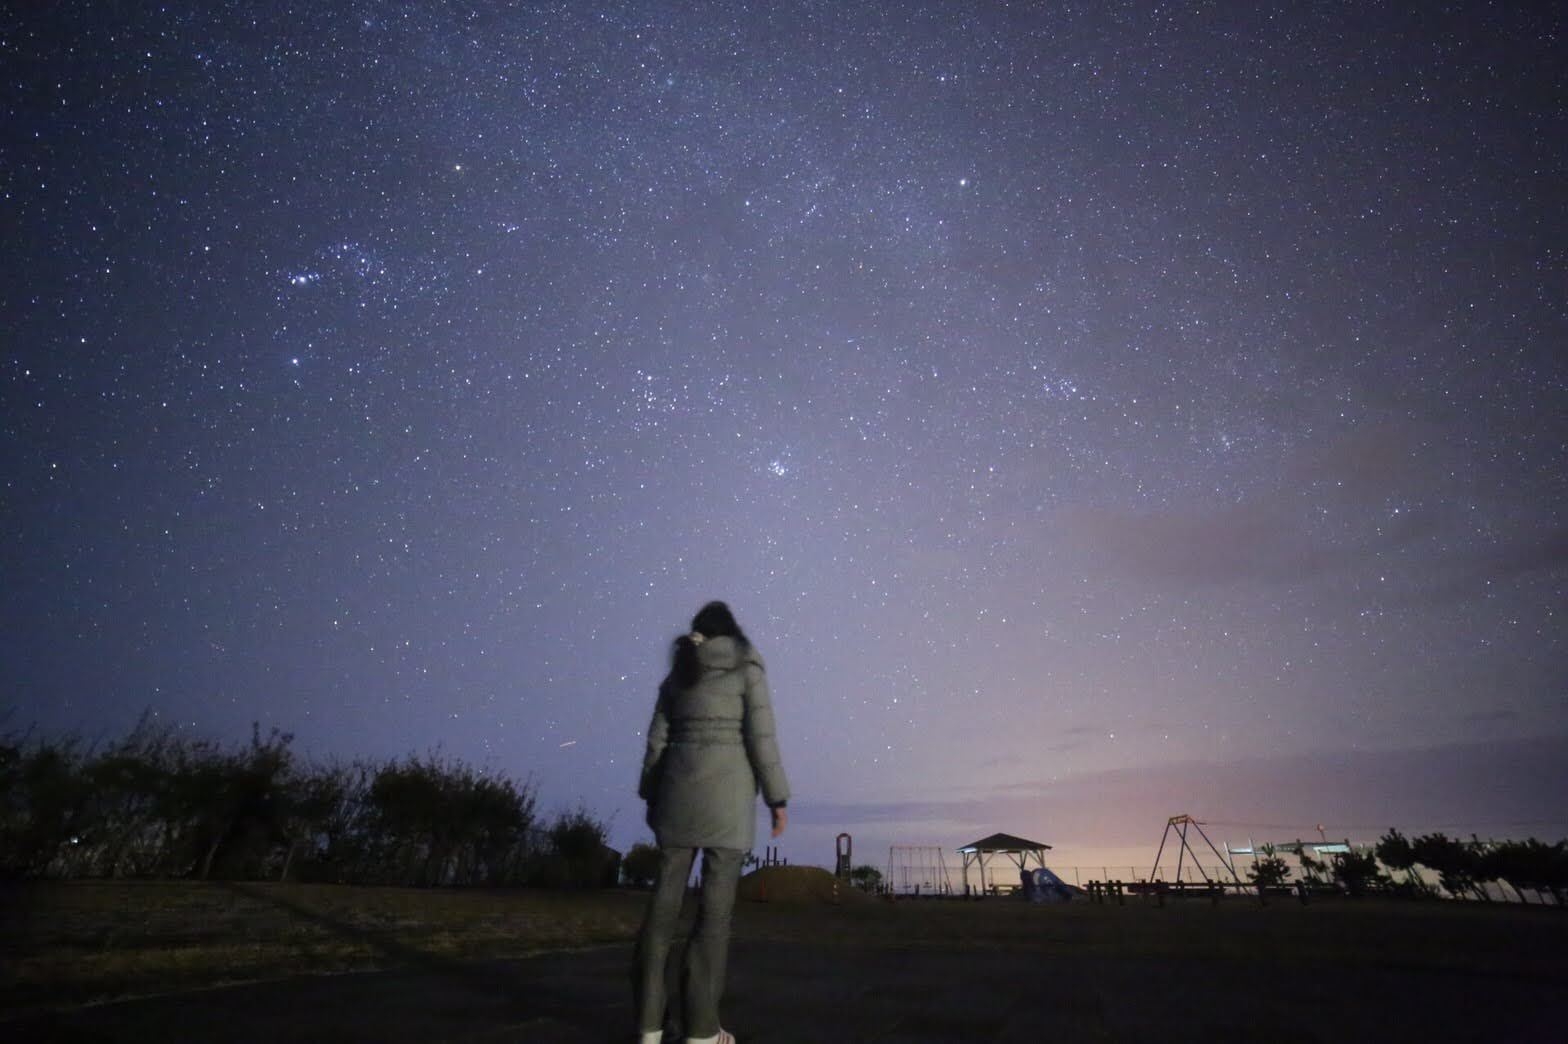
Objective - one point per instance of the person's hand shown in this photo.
(780, 820)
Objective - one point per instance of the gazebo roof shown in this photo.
(1004, 843)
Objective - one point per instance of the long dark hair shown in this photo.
(713, 620)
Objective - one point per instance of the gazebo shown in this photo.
(1018, 850)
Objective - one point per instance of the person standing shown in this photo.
(711, 748)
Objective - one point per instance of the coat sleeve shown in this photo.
(658, 738)
(762, 745)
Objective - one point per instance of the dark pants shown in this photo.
(701, 980)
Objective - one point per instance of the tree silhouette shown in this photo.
(1270, 871)
(138, 826)
(1313, 871)
(1529, 864)
(1455, 862)
(640, 866)
(1395, 852)
(236, 802)
(43, 798)
(1355, 871)
(439, 821)
(867, 878)
(577, 839)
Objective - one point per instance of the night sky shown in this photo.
(1094, 412)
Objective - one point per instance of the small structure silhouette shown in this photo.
(917, 870)
(843, 855)
(1040, 885)
(1019, 850)
(1180, 825)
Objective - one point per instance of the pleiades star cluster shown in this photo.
(1112, 400)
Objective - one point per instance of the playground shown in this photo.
(368, 965)
(982, 942)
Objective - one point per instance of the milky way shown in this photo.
(1059, 394)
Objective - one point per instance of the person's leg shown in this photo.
(658, 930)
(710, 941)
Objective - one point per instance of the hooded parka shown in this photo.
(711, 748)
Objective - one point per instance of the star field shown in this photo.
(1054, 391)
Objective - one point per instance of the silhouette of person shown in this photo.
(711, 748)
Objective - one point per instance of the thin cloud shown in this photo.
(1350, 792)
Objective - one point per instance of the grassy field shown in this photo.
(72, 943)
(79, 942)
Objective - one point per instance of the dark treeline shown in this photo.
(1464, 868)
(1526, 869)
(161, 804)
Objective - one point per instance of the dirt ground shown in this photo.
(914, 971)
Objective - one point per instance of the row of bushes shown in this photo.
(1463, 868)
(160, 804)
